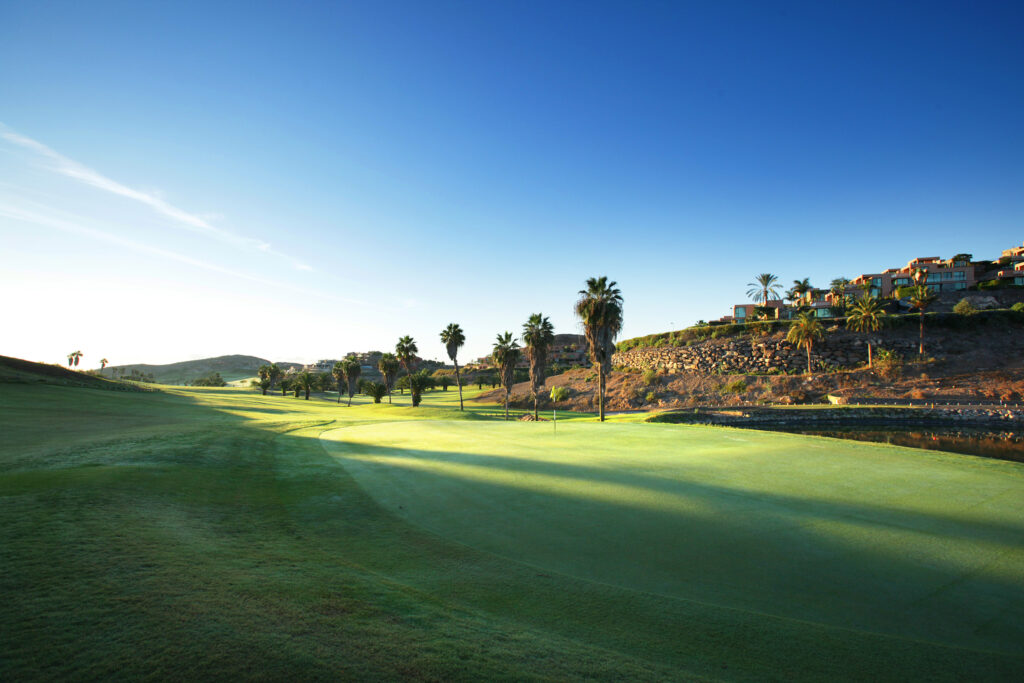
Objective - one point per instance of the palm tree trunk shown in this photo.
(920, 348)
(264, 391)
(535, 418)
(350, 396)
(600, 391)
(808, 359)
(506, 403)
(869, 355)
(307, 394)
(458, 382)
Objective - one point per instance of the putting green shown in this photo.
(900, 542)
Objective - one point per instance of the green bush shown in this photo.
(964, 307)
(651, 397)
(650, 377)
(738, 386)
(1018, 307)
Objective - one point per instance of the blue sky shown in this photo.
(298, 180)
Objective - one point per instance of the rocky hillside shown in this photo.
(974, 359)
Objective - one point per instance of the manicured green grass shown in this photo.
(217, 533)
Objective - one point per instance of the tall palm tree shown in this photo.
(305, 381)
(338, 371)
(388, 367)
(506, 355)
(801, 287)
(73, 358)
(920, 299)
(805, 330)
(538, 335)
(866, 316)
(599, 308)
(764, 287)
(352, 369)
(406, 350)
(103, 364)
(453, 338)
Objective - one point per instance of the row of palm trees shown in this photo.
(866, 315)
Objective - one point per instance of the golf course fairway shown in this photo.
(883, 539)
(192, 533)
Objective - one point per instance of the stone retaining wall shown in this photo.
(983, 417)
(763, 354)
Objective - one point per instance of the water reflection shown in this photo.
(982, 442)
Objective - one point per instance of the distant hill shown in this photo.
(231, 368)
(18, 371)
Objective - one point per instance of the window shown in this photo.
(901, 281)
(959, 275)
(741, 312)
(947, 276)
(933, 277)
(876, 281)
(960, 285)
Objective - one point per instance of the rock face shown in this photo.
(766, 354)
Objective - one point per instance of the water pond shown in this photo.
(1003, 445)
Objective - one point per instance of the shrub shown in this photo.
(1018, 307)
(559, 394)
(650, 377)
(964, 307)
(889, 364)
(735, 387)
(651, 397)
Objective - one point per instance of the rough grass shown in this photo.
(217, 533)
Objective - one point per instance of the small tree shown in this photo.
(388, 367)
(418, 383)
(805, 330)
(866, 316)
(264, 374)
(964, 307)
(338, 372)
(103, 364)
(305, 381)
(506, 355)
(352, 370)
(374, 389)
(920, 299)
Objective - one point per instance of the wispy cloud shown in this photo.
(70, 168)
(76, 227)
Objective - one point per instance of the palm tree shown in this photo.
(764, 287)
(274, 374)
(805, 330)
(506, 355)
(921, 297)
(801, 287)
(538, 335)
(352, 369)
(418, 381)
(339, 376)
(73, 358)
(304, 380)
(866, 316)
(406, 350)
(388, 366)
(453, 338)
(265, 382)
(838, 290)
(600, 310)
(103, 364)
